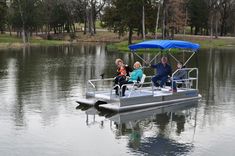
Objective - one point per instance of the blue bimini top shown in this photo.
(165, 44)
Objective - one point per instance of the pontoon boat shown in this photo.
(143, 94)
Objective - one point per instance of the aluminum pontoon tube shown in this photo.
(146, 105)
(91, 102)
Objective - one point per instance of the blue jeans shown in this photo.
(162, 79)
(174, 83)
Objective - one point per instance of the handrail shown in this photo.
(111, 91)
(89, 81)
(189, 70)
(196, 76)
(96, 80)
(188, 79)
(106, 79)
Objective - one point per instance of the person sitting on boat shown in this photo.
(163, 71)
(179, 75)
(121, 73)
(135, 76)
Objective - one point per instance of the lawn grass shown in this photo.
(7, 41)
(114, 42)
(47, 42)
(204, 43)
(123, 47)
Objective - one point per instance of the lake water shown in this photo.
(38, 115)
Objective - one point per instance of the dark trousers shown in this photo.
(174, 83)
(124, 87)
(162, 79)
(119, 80)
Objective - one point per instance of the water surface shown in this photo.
(39, 87)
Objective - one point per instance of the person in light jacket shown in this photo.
(135, 76)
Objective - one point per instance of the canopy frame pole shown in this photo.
(140, 57)
(155, 57)
(173, 57)
(189, 58)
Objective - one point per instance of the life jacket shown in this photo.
(128, 70)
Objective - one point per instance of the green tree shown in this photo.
(26, 16)
(198, 15)
(123, 16)
(3, 14)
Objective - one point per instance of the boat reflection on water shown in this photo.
(155, 130)
(156, 127)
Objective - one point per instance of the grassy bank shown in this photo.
(7, 41)
(115, 43)
(205, 42)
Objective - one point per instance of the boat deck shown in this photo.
(146, 91)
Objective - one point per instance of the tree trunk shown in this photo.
(74, 29)
(223, 22)
(186, 19)
(130, 35)
(2, 31)
(165, 31)
(158, 13)
(94, 27)
(91, 22)
(222, 28)
(172, 33)
(191, 30)
(211, 26)
(86, 20)
(85, 25)
(216, 28)
(26, 35)
(163, 23)
(93, 15)
(9, 29)
(54, 30)
(196, 30)
(143, 22)
(22, 19)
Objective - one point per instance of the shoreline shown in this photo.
(111, 39)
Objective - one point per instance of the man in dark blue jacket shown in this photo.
(163, 71)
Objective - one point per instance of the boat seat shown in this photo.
(135, 85)
(187, 83)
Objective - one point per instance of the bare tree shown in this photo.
(159, 3)
(22, 19)
(92, 9)
(143, 21)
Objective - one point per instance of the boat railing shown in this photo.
(137, 85)
(92, 85)
(187, 81)
(190, 76)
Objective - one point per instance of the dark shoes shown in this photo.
(123, 94)
(174, 90)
